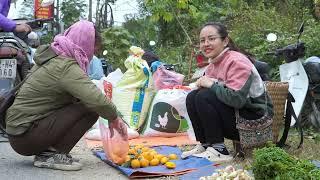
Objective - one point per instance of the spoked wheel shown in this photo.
(310, 115)
(315, 115)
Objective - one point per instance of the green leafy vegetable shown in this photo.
(275, 163)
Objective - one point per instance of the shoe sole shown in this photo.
(183, 157)
(62, 167)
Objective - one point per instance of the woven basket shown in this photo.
(278, 92)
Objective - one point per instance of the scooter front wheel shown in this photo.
(310, 115)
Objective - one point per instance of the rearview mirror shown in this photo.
(46, 3)
(272, 37)
(301, 28)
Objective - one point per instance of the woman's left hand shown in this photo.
(120, 126)
(205, 81)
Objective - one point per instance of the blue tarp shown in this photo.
(183, 165)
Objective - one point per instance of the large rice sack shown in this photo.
(133, 94)
(168, 116)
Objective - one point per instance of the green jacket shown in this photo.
(57, 83)
(240, 100)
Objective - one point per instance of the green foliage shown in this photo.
(249, 21)
(175, 55)
(311, 37)
(27, 9)
(47, 38)
(116, 41)
(72, 11)
(275, 163)
(143, 31)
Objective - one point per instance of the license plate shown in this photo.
(8, 68)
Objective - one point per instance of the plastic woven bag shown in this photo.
(133, 94)
(116, 148)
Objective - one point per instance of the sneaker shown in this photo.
(56, 161)
(53, 150)
(213, 155)
(73, 158)
(196, 150)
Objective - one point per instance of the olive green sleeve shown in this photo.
(78, 84)
(236, 99)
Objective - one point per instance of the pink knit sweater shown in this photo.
(232, 68)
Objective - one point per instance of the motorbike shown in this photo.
(303, 77)
(16, 54)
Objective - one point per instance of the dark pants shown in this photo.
(61, 130)
(211, 119)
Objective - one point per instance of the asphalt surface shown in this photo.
(15, 167)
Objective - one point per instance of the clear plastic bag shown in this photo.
(166, 79)
(116, 148)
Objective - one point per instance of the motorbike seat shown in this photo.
(263, 69)
(6, 52)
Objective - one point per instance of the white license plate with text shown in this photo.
(8, 68)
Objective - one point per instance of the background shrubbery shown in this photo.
(174, 25)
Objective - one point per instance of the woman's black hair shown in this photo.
(223, 32)
(150, 57)
(97, 36)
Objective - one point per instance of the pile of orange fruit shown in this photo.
(140, 156)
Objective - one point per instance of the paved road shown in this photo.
(16, 167)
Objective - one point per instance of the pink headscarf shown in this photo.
(77, 42)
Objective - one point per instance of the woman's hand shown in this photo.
(205, 81)
(120, 126)
(23, 28)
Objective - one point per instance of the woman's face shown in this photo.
(211, 43)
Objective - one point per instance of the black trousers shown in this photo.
(61, 130)
(212, 120)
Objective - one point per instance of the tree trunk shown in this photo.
(317, 10)
(97, 14)
(90, 11)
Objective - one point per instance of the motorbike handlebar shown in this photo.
(36, 23)
(291, 52)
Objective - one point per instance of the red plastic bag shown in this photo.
(164, 79)
(115, 148)
(107, 87)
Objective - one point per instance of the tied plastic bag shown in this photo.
(164, 78)
(116, 148)
(95, 134)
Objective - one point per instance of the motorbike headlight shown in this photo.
(33, 39)
(33, 35)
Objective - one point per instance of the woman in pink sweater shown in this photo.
(230, 82)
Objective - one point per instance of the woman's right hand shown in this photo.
(205, 82)
(119, 125)
(23, 28)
